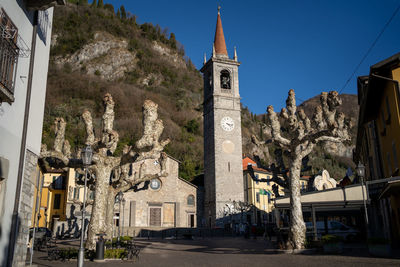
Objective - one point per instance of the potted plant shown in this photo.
(379, 246)
(332, 244)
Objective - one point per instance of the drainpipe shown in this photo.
(15, 220)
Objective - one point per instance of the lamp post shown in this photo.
(119, 199)
(123, 214)
(361, 174)
(86, 156)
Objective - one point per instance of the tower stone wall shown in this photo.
(223, 174)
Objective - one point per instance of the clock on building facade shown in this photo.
(223, 174)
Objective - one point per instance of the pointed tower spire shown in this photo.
(205, 59)
(235, 54)
(219, 39)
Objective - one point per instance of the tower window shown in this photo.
(225, 79)
(190, 200)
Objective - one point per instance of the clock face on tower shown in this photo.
(227, 124)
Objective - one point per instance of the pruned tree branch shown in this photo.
(299, 136)
(104, 163)
(276, 127)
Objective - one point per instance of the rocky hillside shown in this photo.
(97, 49)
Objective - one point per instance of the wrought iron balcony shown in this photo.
(9, 52)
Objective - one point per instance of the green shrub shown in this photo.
(115, 253)
(329, 239)
(192, 126)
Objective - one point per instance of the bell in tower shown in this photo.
(223, 174)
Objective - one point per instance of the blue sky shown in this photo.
(310, 46)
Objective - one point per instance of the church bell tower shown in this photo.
(223, 173)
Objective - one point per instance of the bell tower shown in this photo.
(223, 174)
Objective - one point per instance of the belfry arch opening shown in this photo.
(225, 79)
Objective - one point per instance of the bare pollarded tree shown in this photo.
(297, 135)
(104, 163)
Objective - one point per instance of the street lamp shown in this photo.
(361, 174)
(119, 200)
(86, 156)
(123, 214)
(360, 170)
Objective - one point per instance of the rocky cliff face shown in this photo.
(94, 51)
(108, 57)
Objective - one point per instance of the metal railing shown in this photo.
(8, 63)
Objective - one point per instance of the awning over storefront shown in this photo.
(350, 197)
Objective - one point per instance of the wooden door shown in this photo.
(155, 216)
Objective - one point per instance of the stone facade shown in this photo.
(168, 202)
(26, 208)
(22, 99)
(223, 174)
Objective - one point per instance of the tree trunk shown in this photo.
(110, 213)
(98, 219)
(297, 232)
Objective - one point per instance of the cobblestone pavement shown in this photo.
(225, 252)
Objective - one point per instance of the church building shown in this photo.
(223, 173)
(167, 202)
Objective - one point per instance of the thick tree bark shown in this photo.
(297, 232)
(98, 219)
(103, 163)
(293, 131)
(110, 213)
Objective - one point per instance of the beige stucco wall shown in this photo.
(171, 198)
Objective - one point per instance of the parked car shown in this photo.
(334, 228)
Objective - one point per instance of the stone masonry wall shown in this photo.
(25, 208)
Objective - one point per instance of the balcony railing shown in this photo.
(8, 63)
(9, 52)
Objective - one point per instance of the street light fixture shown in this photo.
(123, 214)
(360, 170)
(361, 174)
(119, 200)
(86, 156)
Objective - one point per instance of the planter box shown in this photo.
(380, 250)
(333, 248)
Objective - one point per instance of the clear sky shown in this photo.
(310, 46)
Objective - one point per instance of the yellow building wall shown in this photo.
(71, 185)
(35, 196)
(390, 141)
(47, 209)
(254, 188)
(303, 184)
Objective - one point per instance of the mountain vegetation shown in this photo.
(158, 71)
(98, 48)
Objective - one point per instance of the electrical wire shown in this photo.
(370, 48)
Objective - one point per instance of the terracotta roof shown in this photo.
(246, 161)
(305, 177)
(219, 39)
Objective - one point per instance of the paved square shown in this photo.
(225, 252)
